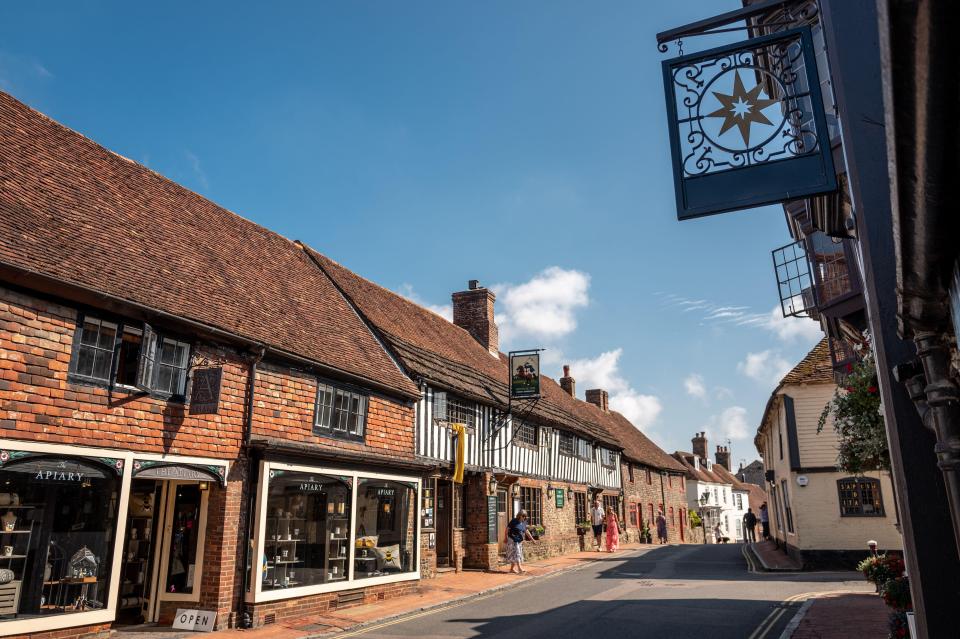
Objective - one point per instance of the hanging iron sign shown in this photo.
(524, 374)
(747, 125)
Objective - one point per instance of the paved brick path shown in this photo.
(845, 617)
(772, 558)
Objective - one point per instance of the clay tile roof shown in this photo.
(436, 350)
(702, 474)
(816, 367)
(73, 211)
(637, 446)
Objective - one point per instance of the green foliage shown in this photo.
(896, 594)
(881, 568)
(858, 422)
(694, 519)
(537, 530)
(898, 626)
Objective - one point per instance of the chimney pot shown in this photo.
(473, 285)
(567, 383)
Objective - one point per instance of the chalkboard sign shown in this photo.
(559, 496)
(492, 532)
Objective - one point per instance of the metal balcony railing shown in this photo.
(794, 280)
(831, 263)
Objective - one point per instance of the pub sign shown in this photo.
(747, 125)
(205, 393)
(524, 374)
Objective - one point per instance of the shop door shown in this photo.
(444, 522)
(164, 548)
(502, 520)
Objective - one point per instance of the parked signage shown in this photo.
(196, 620)
(524, 374)
(747, 125)
(492, 535)
(559, 496)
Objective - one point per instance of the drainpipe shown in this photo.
(943, 397)
(253, 474)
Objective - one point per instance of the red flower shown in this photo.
(849, 389)
(872, 389)
(849, 368)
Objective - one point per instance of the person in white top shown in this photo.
(596, 519)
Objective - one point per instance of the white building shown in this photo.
(712, 491)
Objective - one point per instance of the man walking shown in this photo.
(596, 520)
(764, 521)
(750, 524)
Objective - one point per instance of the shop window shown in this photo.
(340, 412)
(140, 358)
(526, 433)
(566, 444)
(530, 502)
(580, 506)
(307, 530)
(860, 497)
(58, 534)
(386, 528)
(427, 503)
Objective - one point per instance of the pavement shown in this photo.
(767, 557)
(842, 616)
(667, 591)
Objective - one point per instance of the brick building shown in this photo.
(177, 386)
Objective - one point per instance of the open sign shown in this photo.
(197, 620)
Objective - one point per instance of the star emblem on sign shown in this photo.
(742, 108)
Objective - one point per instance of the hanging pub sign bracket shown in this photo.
(524, 391)
(747, 125)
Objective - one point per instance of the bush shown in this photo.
(881, 568)
(898, 626)
(896, 594)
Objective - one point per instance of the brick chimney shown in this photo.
(723, 456)
(599, 398)
(568, 383)
(700, 445)
(473, 312)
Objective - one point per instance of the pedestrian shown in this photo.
(661, 527)
(613, 530)
(596, 520)
(718, 534)
(516, 532)
(764, 521)
(750, 524)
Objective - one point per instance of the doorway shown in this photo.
(444, 523)
(501, 520)
(163, 551)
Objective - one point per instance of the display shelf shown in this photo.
(15, 532)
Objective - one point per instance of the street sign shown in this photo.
(524, 374)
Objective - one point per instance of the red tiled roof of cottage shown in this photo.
(700, 474)
(75, 212)
(441, 352)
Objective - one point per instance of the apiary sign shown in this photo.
(747, 125)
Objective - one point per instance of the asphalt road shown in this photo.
(666, 592)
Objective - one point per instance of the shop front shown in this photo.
(321, 530)
(93, 536)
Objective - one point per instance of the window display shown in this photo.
(307, 529)
(386, 528)
(58, 525)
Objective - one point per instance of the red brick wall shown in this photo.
(284, 408)
(641, 493)
(300, 607)
(38, 403)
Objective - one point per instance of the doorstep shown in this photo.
(445, 590)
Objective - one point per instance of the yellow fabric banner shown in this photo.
(460, 430)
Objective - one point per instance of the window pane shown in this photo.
(74, 506)
(101, 365)
(307, 530)
(108, 333)
(164, 379)
(89, 334)
(386, 528)
(85, 358)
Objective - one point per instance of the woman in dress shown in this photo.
(661, 527)
(613, 530)
(516, 532)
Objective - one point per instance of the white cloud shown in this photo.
(766, 367)
(443, 310)
(695, 386)
(731, 423)
(543, 307)
(786, 329)
(603, 371)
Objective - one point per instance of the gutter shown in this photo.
(36, 281)
(253, 472)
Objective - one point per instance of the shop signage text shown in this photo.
(205, 393)
(58, 475)
(196, 620)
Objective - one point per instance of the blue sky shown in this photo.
(423, 144)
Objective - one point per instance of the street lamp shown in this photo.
(493, 484)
